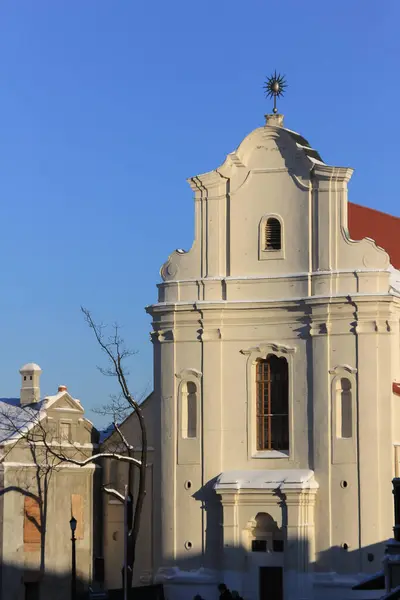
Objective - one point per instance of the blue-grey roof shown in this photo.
(105, 433)
(14, 417)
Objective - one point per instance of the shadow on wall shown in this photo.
(20, 583)
(264, 548)
(261, 574)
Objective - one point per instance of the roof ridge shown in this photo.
(381, 212)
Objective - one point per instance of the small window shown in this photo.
(30, 377)
(272, 234)
(32, 521)
(277, 546)
(114, 474)
(24, 377)
(65, 432)
(272, 389)
(259, 545)
(189, 410)
(32, 590)
(344, 408)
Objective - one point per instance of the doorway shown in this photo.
(271, 583)
(32, 590)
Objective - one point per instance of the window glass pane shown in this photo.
(346, 408)
(191, 410)
(280, 432)
(272, 404)
(65, 432)
(188, 403)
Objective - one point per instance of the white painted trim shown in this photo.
(270, 454)
(65, 444)
(253, 354)
(264, 253)
(277, 301)
(341, 368)
(66, 409)
(64, 465)
(282, 276)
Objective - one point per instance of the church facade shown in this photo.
(276, 358)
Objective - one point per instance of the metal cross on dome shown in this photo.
(275, 86)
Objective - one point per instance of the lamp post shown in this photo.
(72, 525)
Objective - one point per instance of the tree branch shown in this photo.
(114, 493)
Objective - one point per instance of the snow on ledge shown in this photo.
(267, 479)
(176, 575)
(394, 278)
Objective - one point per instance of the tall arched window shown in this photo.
(344, 408)
(272, 403)
(189, 409)
(272, 234)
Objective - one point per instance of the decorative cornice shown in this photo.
(319, 328)
(329, 173)
(162, 335)
(189, 373)
(210, 335)
(266, 347)
(339, 368)
(373, 326)
(206, 181)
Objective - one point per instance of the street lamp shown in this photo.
(72, 525)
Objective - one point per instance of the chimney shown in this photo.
(30, 387)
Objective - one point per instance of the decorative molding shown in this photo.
(338, 368)
(373, 326)
(170, 267)
(253, 354)
(328, 173)
(210, 335)
(270, 454)
(269, 254)
(188, 374)
(319, 328)
(166, 335)
(267, 347)
(234, 159)
(154, 336)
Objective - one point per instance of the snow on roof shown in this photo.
(202, 575)
(105, 433)
(267, 479)
(15, 419)
(30, 367)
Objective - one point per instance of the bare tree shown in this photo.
(23, 428)
(119, 407)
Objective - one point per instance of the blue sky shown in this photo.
(106, 107)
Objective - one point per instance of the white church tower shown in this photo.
(276, 342)
(30, 384)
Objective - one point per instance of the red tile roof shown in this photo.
(381, 227)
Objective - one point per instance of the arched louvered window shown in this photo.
(272, 385)
(272, 234)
